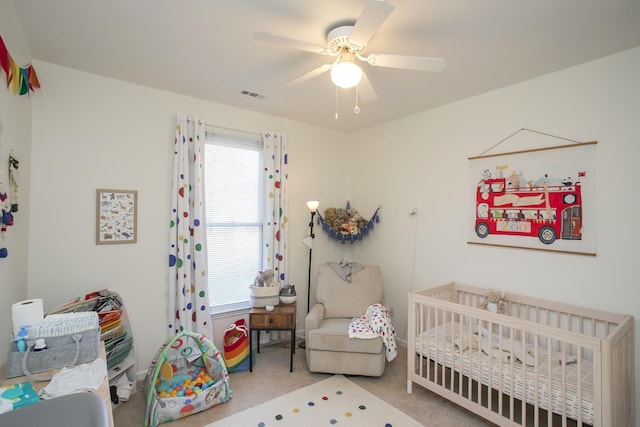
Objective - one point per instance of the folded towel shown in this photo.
(85, 377)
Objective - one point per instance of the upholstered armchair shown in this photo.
(328, 346)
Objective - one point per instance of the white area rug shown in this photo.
(335, 401)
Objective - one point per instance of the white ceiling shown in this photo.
(205, 49)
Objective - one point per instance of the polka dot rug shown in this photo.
(335, 401)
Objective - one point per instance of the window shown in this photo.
(234, 212)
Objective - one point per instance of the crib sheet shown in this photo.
(438, 345)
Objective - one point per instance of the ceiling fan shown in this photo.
(348, 43)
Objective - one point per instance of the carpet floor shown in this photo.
(271, 379)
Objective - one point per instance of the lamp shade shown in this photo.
(313, 205)
(346, 74)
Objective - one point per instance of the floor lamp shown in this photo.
(313, 207)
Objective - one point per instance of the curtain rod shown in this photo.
(231, 129)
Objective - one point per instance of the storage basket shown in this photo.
(264, 296)
(235, 350)
(61, 351)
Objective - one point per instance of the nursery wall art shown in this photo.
(21, 80)
(537, 198)
(116, 216)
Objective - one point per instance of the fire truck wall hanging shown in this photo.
(538, 198)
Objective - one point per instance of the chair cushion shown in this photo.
(342, 299)
(333, 335)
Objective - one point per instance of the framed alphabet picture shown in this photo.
(116, 216)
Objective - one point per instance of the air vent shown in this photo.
(252, 94)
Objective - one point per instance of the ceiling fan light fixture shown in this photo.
(346, 74)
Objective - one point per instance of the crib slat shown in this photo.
(470, 361)
(525, 377)
(579, 379)
(500, 373)
(564, 387)
(453, 359)
(479, 351)
(512, 376)
(428, 329)
(460, 376)
(422, 338)
(490, 366)
(440, 350)
(536, 376)
(550, 387)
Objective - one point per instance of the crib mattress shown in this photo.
(438, 345)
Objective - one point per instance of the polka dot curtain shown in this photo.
(275, 163)
(188, 299)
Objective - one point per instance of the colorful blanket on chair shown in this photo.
(375, 322)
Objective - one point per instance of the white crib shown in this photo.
(538, 363)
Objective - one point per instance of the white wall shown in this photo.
(91, 132)
(15, 115)
(421, 161)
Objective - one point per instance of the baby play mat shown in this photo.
(187, 375)
(335, 401)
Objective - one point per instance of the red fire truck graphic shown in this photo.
(540, 209)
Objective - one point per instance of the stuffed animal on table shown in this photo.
(264, 279)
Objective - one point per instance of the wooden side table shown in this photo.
(282, 318)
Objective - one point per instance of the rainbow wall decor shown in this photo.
(21, 80)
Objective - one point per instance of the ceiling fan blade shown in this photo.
(365, 90)
(287, 42)
(419, 63)
(374, 14)
(307, 76)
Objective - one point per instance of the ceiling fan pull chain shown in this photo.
(356, 109)
(337, 116)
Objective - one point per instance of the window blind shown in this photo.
(234, 212)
